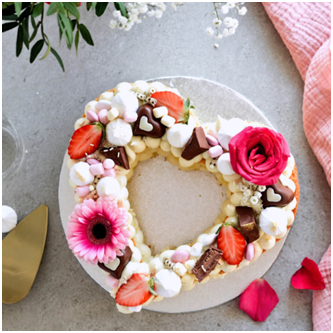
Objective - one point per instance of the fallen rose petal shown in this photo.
(308, 277)
(258, 300)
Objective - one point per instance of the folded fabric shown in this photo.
(305, 28)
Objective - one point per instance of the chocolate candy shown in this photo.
(147, 124)
(124, 260)
(197, 144)
(117, 154)
(247, 223)
(207, 262)
(277, 195)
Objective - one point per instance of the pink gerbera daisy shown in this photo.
(96, 230)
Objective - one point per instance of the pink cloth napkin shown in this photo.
(305, 28)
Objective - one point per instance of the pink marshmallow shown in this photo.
(130, 117)
(102, 116)
(92, 116)
(112, 281)
(108, 163)
(211, 140)
(109, 173)
(215, 151)
(249, 255)
(180, 256)
(92, 161)
(82, 191)
(97, 169)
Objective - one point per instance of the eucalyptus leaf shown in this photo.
(38, 9)
(52, 9)
(8, 26)
(54, 52)
(66, 26)
(9, 9)
(120, 6)
(9, 18)
(77, 37)
(25, 26)
(60, 7)
(34, 33)
(36, 49)
(86, 34)
(100, 8)
(25, 14)
(72, 9)
(73, 22)
(33, 22)
(47, 51)
(89, 4)
(19, 40)
(18, 8)
(94, 4)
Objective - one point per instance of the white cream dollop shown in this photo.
(80, 174)
(228, 129)
(118, 132)
(224, 165)
(125, 101)
(167, 283)
(179, 134)
(273, 221)
(108, 186)
(9, 219)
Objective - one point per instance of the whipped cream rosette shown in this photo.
(134, 122)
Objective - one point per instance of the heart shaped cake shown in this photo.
(135, 122)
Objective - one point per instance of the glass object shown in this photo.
(12, 148)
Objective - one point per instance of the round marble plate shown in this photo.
(210, 99)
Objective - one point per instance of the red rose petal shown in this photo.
(258, 300)
(308, 277)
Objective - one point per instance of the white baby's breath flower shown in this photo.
(128, 26)
(216, 46)
(158, 13)
(120, 26)
(137, 21)
(227, 22)
(123, 20)
(231, 31)
(254, 200)
(150, 13)
(162, 6)
(230, 4)
(219, 36)
(112, 24)
(135, 11)
(234, 23)
(224, 9)
(174, 6)
(217, 22)
(143, 9)
(116, 13)
(242, 11)
(225, 33)
(210, 31)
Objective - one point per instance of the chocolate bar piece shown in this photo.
(124, 260)
(247, 223)
(196, 145)
(277, 195)
(206, 262)
(118, 155)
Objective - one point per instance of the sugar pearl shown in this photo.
(108, 163)
(180, 256)
(249, 252)
(97, 169)
(92, 116)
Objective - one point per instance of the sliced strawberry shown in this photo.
(85, 140)
(174, 104)
(135, 292)
(232, 244)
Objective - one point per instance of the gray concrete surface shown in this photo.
(44, 103)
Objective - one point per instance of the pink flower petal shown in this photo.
(258, 300)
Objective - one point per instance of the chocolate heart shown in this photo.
(147, 124)
(197, 144)
(277, 195)
(124, 260)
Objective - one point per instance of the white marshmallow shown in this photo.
(135, 308)
(104, 104)
(273, 221)
(224, 165)
(107, 96)
(108, 186)
(156, 265)
(196, 250)
(112, 114)
(168, 121)
(180, 269)
(192, 122)
(80, 174)
(118, 132)
(90, 106)
(167, 283)
(228, 129)
(136, 254)
(160, 112)
(113, 265)
(123, 86)
(209, 239)
(9, 219)
(125, 101)
(179, 134)
(140, 86)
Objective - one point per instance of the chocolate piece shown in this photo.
(118, 155)
(147, 124)
(247, 223)
(197, 144)
(206, 262)
(124, 260)
(277, 195)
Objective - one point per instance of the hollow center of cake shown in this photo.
(173, 207)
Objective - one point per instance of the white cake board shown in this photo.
(210, 99)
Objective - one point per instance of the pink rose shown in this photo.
(259, 154)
